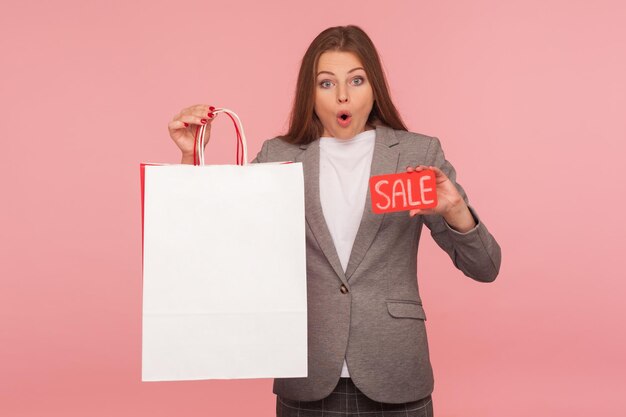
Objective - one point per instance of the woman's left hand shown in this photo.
(448, 197)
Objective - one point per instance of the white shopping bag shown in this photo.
(224, 270)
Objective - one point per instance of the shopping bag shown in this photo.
(224, 269)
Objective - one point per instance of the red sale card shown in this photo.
(405, 191)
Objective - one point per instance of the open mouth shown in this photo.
(344, 118)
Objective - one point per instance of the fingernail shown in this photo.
(211, 108)
(211, 115)
(186, 124)
(203, 121)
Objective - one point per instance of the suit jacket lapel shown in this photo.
(384, 161)
(313, 207)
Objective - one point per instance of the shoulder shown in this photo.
(276, 149)
(403, 137)
(412, 144)
(278, 144)
(409, 138)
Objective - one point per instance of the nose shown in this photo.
(342, 95)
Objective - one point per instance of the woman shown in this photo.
(367, 344)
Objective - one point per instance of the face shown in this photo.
(342, 87)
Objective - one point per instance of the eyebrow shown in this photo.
(328, 72)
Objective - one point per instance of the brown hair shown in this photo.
(304, 125)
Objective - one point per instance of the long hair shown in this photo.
(304, 125)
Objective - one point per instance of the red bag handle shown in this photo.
(198, 148)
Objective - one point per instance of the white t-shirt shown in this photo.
(344, 174)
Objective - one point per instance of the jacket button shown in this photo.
(343, 289)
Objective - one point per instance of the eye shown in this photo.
(360, 79)
(324, 83)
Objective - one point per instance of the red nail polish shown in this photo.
(186, 124)
(203, 121)
(211, 108)
(211, 115)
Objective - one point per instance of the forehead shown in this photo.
(338, 61)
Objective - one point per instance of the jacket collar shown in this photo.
(383, 133)
(384, 161)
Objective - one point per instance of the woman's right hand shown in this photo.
(183, 126)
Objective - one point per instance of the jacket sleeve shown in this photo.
(475, 252)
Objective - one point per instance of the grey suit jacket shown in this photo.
(372, 313)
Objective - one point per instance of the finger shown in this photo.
(199, 107)
(414, 212)
(199, 110)
(204, 113)
(177, 124)
(409, 169)
(195, 119)
(438, 172)
(423, 212)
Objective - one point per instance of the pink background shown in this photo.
(528, 98)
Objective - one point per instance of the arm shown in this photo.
(473, 250)
(187, 159)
